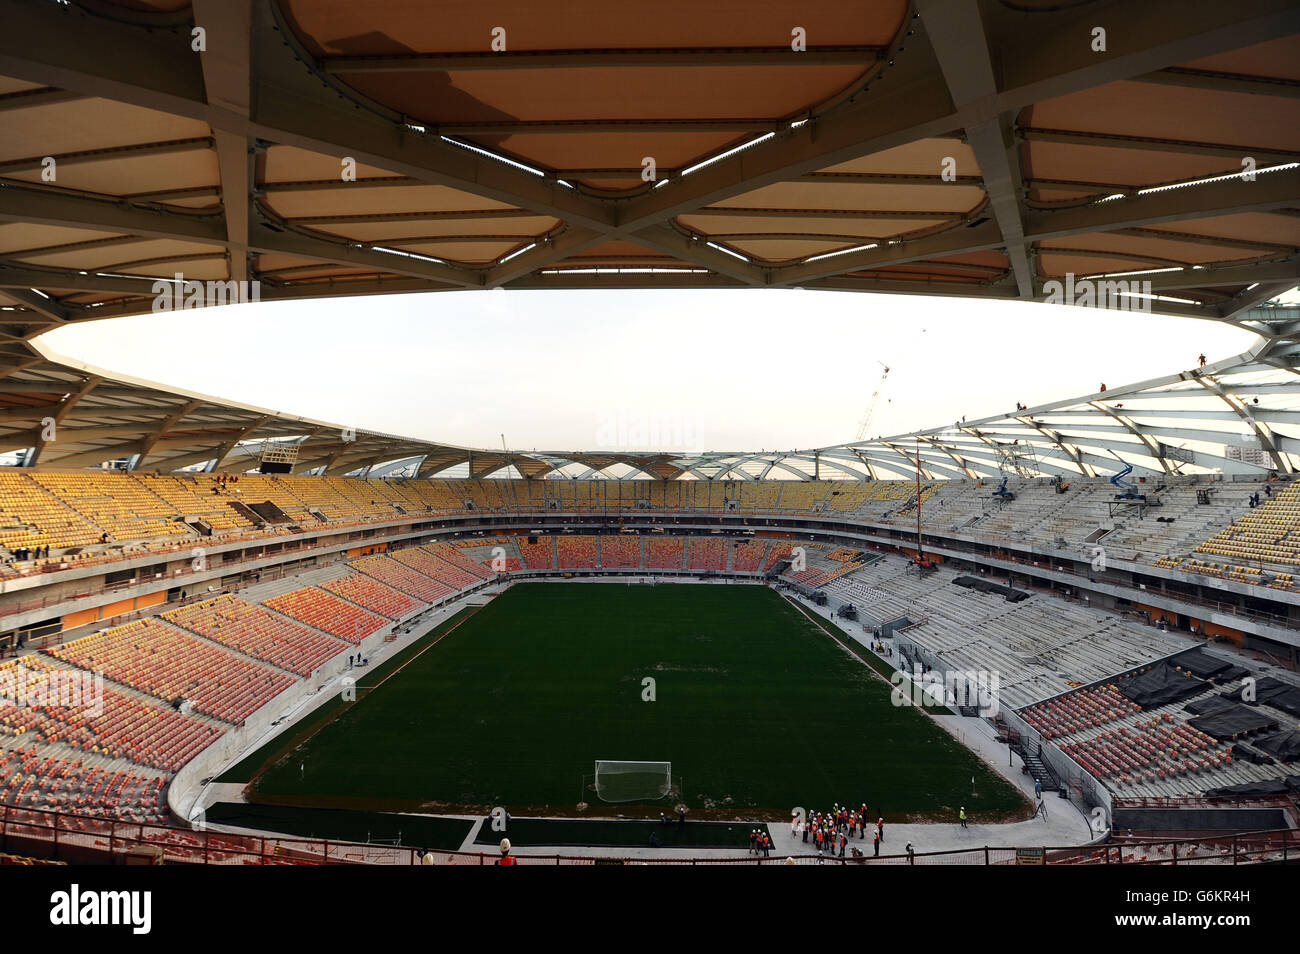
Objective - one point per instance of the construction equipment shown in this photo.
(880, 385)
(875, 399)
(1128, 491)
(1013, 458)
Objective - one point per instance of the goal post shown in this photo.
(618, 781)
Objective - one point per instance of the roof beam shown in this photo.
(66, 47)
(65, 407)
(1263, 291)
(1272, 273)
(227, 81)
(229, 445)
(37, 302)
(969, 238)
(154, 68)
(1262, 154)
(1167, 206)
(1243, 410)
(957, 34)
(1035, 62)
(1222, 82)
(42, 96)
(85, 156)
(1268, 192)
(149, 441)
(572, 241)
(585, 127)
(1137, 430)
(266, 235)
(43, 205)
(663, 238)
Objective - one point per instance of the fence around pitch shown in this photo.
(78, 839)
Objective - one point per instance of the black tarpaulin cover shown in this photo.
(1272, 786)
(1270, 691)
(1159, 686)
(1279, 695)
(1283, 746)
(1199, 819)
(1208, 706)
(1201, 664)
(1230, 676)
(1246, 753)
(1233, 721)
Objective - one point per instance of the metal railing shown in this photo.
(79, 839)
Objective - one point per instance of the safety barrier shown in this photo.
(82, 840)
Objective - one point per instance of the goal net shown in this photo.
(633, 781)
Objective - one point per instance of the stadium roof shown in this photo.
(1179, 423)
(940, 147)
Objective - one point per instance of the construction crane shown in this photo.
(875, 399)
(880, 386)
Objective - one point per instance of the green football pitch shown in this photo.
(755, 706)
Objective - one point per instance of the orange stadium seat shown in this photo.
(370, 594)
(162, 661)
(126, 726)
(257, 632)
(328, 613)
(576, 552)
(620, 552)
(404, 578)
(664, 553)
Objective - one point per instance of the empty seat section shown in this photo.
(537, 556)
(747, 556)
(708, 553)
(402, 577)
(422, 561)
(160, 660)
(664, 553)
(30, 779)
(63, 706)
(375, 596)
(620, 552)
(121, 506)
(32, 517)
(452, 555)
(328, 613)
(576, 552)
(257, 632)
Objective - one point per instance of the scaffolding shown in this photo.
(277, 457)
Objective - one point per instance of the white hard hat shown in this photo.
(505, 846)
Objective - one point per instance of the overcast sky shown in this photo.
(683, 370)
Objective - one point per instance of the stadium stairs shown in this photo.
(261, 592)
(1037, 768)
